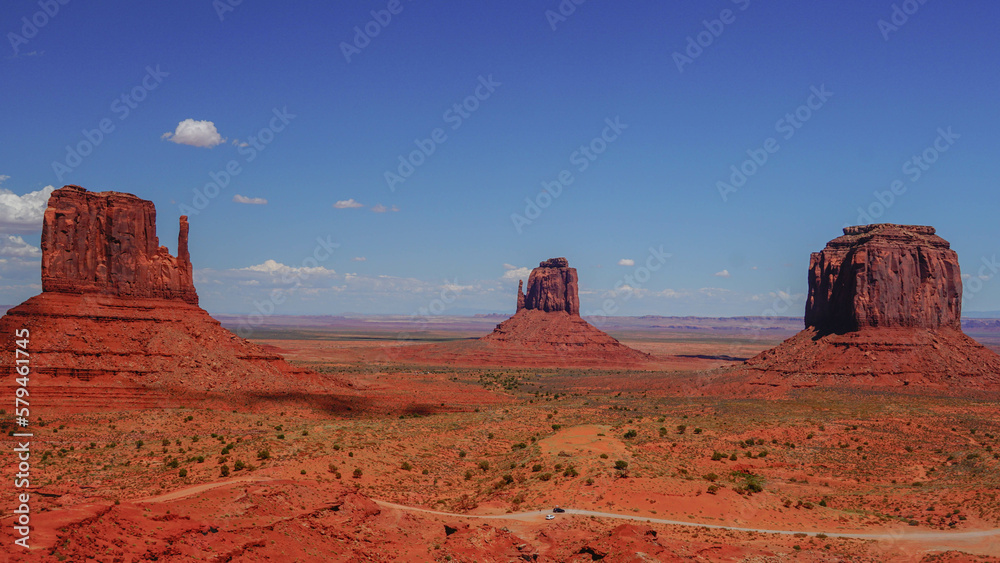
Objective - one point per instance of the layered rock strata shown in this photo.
(117, 324)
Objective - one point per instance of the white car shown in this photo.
(550, 516)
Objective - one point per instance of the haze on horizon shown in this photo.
(373, 157)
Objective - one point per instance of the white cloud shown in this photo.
(379, 208)
(195, 133)
(23, 213)
(347, 204)
(626, 262)
(516, 273)
(722, 274)
(359, 259)
(11, 245)
(509, 266)
(277, 268)
(3, 178)
(249, 200)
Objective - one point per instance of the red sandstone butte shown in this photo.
(884, 308)
(117, 324)
(552, 286)
(884, 276)
(546, 330)
(106, 244)
(548, 321)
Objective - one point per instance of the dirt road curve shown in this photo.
(540, 514)
(988, 539)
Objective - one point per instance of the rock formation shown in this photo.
(547, 321)
(546, 330)
(884, 308)
(884, 276)
(552, 286)
(117, 324)
(105, 243)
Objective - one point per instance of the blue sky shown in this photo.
(837, 102)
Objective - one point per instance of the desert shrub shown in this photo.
(716, 456)
(630, 434)
(681, 428)
(571, 472)
(556, 426)
(545, 476)
(710, 477)
(138, 444)
(712, 489)
(166, 442)
(468, 475)
(621, 465)
(697, 430)
(519, 446)
(748, 483)
(182, 473)
(224, 471)
(536, 468)
(406, 466)
(484, 465)
(590, 481)
(604, 456)
(461, 453)
(239, 465)
(732, 457)
(263, 454)
(425, 472)
(358, 473)
(173, 464)
(663, 431)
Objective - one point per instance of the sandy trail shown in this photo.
(540, 514)
(938, 537)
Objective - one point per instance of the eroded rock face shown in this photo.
(884, 275)
(106, 243)
(884, 309)
(117, 325)
(552, 286)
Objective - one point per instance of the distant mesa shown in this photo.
(118, 325)
(546, 330)
(884, 308)
(547, 320)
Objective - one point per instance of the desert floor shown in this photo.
(436, 463)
